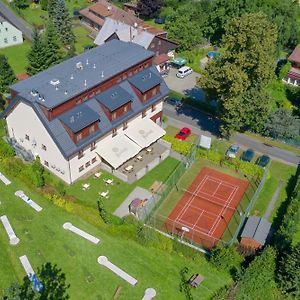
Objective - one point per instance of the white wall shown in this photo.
(24, 121)
(9, 35)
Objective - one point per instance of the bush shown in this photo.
(182, 147)
(6, 150)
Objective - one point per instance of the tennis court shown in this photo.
(206, 207)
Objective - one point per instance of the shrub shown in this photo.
(182, 147)
(6, 150)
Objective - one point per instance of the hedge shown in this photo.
(182, 147)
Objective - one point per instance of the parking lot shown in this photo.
(186, 86)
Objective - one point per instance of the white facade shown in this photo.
(25, 126)
(9, 35)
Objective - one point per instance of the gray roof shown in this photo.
(62, 82)
(79, 117)
(114, 98)
(145, 80)
(61, 137)
(124, 32)
(257, 229)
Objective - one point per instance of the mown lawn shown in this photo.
(278, 171)
(120, 190)
(17, 56)
(43, 239)
(172, 131)
(82, 38)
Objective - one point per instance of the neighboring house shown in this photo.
(9, 35)
(160, 45)
(255, 233)
(95, 16)
(98, 109)
(293, 76)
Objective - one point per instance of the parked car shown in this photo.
(232, 151)
(173, 101)
(263, 161)
(183, 134)
(159, 20)
(247, 155)
(184, 71)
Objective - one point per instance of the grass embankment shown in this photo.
(43, 239)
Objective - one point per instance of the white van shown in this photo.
(184, 71)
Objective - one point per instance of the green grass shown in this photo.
(274, 143)
(278, 171)
(82, 39)
(17, 56)
(43, 239)
(120, 190)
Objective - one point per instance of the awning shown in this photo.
(179, 61)
(118, 150)
(145, 132)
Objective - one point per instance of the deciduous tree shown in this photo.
(149, 8)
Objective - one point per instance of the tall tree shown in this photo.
(53, 52)
(246, 64)
(7, 76)
(59, 14)
(288, 275)
(258, 280)
(283, 124)
(36, 55)
(149, 8)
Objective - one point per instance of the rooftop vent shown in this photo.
(72, 76)
(34, 93)
(109, 7)
(72, 119)
(113, 95)
(94, 66)
(79, 65)
(102, 74)
(66, 92)
(87, 61)
(54, 82)
(150, 75)
(85, 84)
(135, 25)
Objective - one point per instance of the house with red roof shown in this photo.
(293, 76)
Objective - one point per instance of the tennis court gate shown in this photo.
(144, 213)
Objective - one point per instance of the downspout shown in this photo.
(70, 172)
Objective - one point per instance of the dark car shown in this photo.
(247, 155)
(263, 161)
(173, 101)
(159, 20)
(183, 134)
(232, 151)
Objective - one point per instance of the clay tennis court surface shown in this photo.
(206, 207)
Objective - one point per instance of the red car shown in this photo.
(183, 134)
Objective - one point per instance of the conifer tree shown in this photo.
(53, 52)
(7, 76)
(36, 55)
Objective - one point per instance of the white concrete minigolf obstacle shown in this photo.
(5, 180)
(13, 239)
(102, 260)
(87, 236)
(150, 293)
(26, 265)
(29, 201)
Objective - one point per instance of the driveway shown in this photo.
(186, 86)
(10, 16)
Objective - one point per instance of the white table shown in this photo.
(104, 194)
(109, 181)
(129, 168)
(97, 175)
(149, 150)
(85, 186)
(139, 157)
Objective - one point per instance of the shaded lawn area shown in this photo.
(43, 239)
(82, 39)
(17, 56)
(277, 171)
(120, 190)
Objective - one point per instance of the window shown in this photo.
(153, 107)
(125, 108)
(114, 132)
(81, 168)
(154, 92)
(144, 113)
(125, 125)
(152, 46)
(5, 40)
(94, 159)
(124, 76)
(92, 129)
(46, 163)
(119, 80)
(87, 164)
(27, 137)
(44, 147)
(144, 97)
(130, 74)
(78, 101)
(79, 137)
(14, 38)
(146, 65)
(80, 154)
(113, 115)
(93, 146)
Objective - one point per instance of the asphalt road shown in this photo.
(8, 14)
(201, 123)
